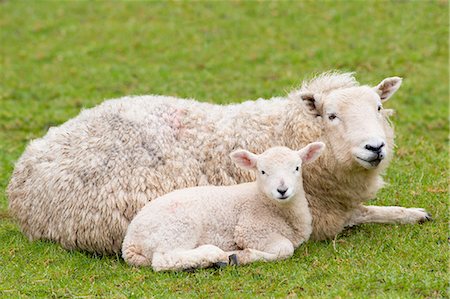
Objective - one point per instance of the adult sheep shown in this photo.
(82, 183)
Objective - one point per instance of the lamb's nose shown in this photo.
(374, 148)
(282, 191)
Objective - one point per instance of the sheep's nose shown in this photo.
(282, 191)
(374, 148)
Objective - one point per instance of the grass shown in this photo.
(60, 57)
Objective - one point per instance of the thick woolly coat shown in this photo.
(84, 181)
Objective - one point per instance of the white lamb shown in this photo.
(197, 227)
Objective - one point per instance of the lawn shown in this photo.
(60, 57)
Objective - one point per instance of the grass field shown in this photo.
(60, 57)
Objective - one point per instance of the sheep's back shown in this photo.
(82, 183)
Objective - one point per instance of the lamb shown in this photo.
(201, 226)
(84, 181)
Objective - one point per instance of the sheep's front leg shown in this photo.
(377, 214)
(181, 259)
(274, 249)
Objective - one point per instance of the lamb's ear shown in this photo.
(312, 102)
(311, 152)
(388, 87)
(244, 159)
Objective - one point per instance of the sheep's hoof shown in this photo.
(233, 260)
(427, 218)
(218, 265)
(190, 270)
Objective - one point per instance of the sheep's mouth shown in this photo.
(374, 162)
(283, 197)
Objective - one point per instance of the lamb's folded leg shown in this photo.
(181, 259)
(379, 214)
(278, 249)
(248, 255)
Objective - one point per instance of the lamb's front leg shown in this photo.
(275, 248)
(379, 214)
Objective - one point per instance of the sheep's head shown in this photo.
(355, 123)
(279, 169)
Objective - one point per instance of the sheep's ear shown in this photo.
(244, 159)
(388, 87)
(312, 102)
(311, 152)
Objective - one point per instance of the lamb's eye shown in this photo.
(297, 168)
(379, 108)
(332, 116)
(263, 172)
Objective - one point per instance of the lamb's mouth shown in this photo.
(373, 162)
(283, 197)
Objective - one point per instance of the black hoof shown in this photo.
(219, 265)
(190, 270)
(427, 218)
(233, 260)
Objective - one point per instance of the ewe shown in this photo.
(82, 183)
(199, 226)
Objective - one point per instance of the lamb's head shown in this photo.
(354, 121)
(279, 169)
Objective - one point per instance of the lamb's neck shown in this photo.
(296, 206)
(293, 210)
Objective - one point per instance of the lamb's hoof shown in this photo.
(219, 265)
(233, 260)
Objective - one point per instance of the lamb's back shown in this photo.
(202, 215)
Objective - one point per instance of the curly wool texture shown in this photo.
(83, 182)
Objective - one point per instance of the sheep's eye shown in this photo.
(297, 168)
(263, 172)
(379, 108)
(332, 116)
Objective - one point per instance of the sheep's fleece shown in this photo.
(83, 182)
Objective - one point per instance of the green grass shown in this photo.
(60, 57)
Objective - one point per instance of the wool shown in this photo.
(83, 182)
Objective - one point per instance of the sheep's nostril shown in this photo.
(374, 148)
(282, 191)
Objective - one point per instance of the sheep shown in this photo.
(199, 226)
(84, 181)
